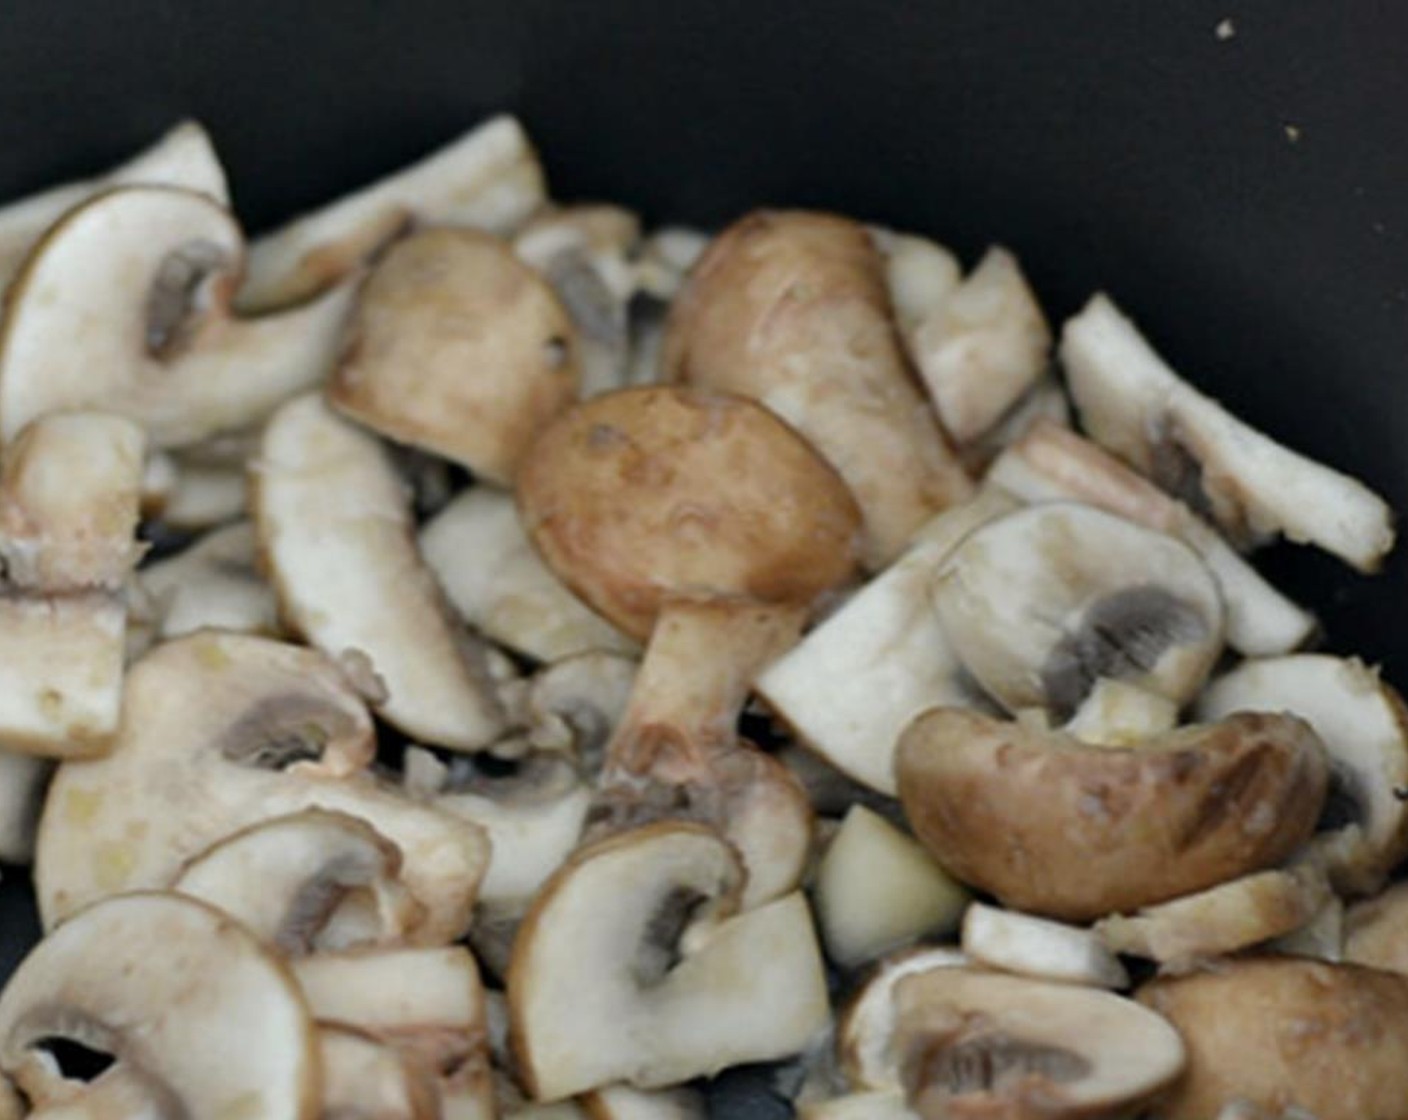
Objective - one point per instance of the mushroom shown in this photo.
(180, 996)
(577, 702)
(335, 530)
(1116, 713)
(215, 582)
(1044, 403)
(69, 497)
(23, 778)
(364, 1079)
(1051, 463)
(604, 987)
(662, 266)
(1066, 830)
(1279, 1034)
(482, 557)
(791, 308)
(457, 347)
(1364, 725)
(877, 889)
(1015, 942)
(704, 522)
(852, 685)
(979, 1044)
(221, 731)
(621, 1102)
(921, 276)
(1376, 930)
(124, 306)
(882, 1105)
(489, 178)
(1042, 603)
(306, 881)
(1131, 402)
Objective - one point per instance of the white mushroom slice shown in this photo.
(576, 703)
(1252, 487)
(1050, 464)
(395, 993)
(215, 582)
(490, 571)
(1376, 930)
(875, 1105)
(1364, 726)
(878, 889)
(223, 731)
(1016, 942)
(489, 178)
(335, 529)
(852, 685)
(175, 992)
(364, 1079)
(621, 1102)
(289, 879)
(982, 346)
(1044, 602)
(1322, 937)
(1044, 403)
(183, 157)
(1116, 713)
(602, 940)
(921, 275)
(204, 496)
(124, 306)
(22, 781)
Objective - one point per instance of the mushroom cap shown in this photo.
(175, 991)
(1280, 1033)
(645, 494)
(1063, 829)
(458, 347)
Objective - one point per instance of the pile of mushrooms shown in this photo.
(471, 656)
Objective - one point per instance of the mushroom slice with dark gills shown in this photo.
(609, 982)
(224, 731)
(1044, 602)
(125, 306)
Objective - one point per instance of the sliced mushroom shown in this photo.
(489, 178)
(875, 1105)
(335, 529)
(202, 497)
(852, 685)
(118, 1093)
(164, 984)
(364, 1079)
(124, 306)
(877, 889)
(791, 308)
(222, 731)
(576, 703)
(1376, 930)
(481, 555)
(23, 778)
(621, 1102)
(921, 276)
(1116, 713)
(1364, 725)
(982, 1044)
(1044, 602)
(457, 347)
(1015, 942)
(1282, 1034)
(215, 582)
(1222, 919)
(1050, 463)
(1044, 403)
(1322, 937)
(665, 259)
(1065, 830)
(1253, 488)
(601, 991)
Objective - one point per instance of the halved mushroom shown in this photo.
(481, 555)
(621, 1102)
(704, 522)
(23, 778)
(877, 889)
(336, 532)
(306, 881)
(1067, 830)
(1376, 930)
(179, 995)
(791, 308)
(1364, 725)
(977, 1044)
(489, 178)
(1329, 1040)
(215, 582)
(1044, 602)
(1016, 942)
(222, 731)
(457, 347)
(601, 991)
(124, 306)
(1051, 463)
(364, 1079)
(1116, 713)
(1253, 488)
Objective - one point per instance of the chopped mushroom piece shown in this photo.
(1044, 403)
(576, 703)
(336, 531)
(215, 582)
(1116, 713)
(1015, 942)
(791, 308)
(921, 276)
(874, 1105)
(1376, 931)
(489, 178)
(1253, 488)
(124, 306)
(202, 497)
(621, 1102)
(364, 1079)
(23, 778)
(163, 984)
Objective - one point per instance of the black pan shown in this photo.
(1245, 198)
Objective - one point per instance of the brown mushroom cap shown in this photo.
(1056, 827)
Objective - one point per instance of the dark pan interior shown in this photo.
(1245, 199)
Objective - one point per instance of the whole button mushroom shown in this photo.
(792, 308)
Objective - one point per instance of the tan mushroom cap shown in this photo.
(1277, 1033)
(1067, 830)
